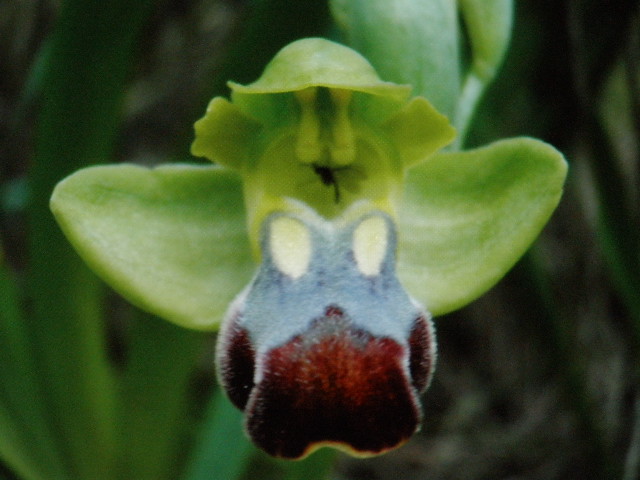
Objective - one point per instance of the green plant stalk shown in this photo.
(472, 89)
(632, 456)
(488, 25)
(82, 90)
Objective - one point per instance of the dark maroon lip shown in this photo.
(332, 385)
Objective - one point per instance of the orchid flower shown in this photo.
(333, 229)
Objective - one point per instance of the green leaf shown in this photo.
(88, 61)
(468, 217)
(222, 449)
(26, 441)
(171, 239)
(156, 384)
(317, 466)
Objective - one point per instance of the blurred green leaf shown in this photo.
(468, 217)
(26, 441)
(14, 195)
(318, 466)
(82, 87)
(222, 449)
(154, 397)
(408, 42)
(172, 240)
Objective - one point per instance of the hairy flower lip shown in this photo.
(332, 385)
(324, 347)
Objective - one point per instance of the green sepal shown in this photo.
(468, 217)
(316, 62)
(172, 240)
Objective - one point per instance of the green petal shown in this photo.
(468, 217)
(418, 130)
(171, 239)
(316, 62)
(224, 135)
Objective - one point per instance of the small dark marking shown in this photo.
(328, 177)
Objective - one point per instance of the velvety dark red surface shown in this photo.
(335, 384)
(421, 360)
(237, 365)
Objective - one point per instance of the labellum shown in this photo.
(325, 347)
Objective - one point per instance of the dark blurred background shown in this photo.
(538, 379)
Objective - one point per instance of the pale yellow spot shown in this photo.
(290, 244)
(370, 241)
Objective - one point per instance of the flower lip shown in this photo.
(316, 62)
(336, 355)
(334, 385)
